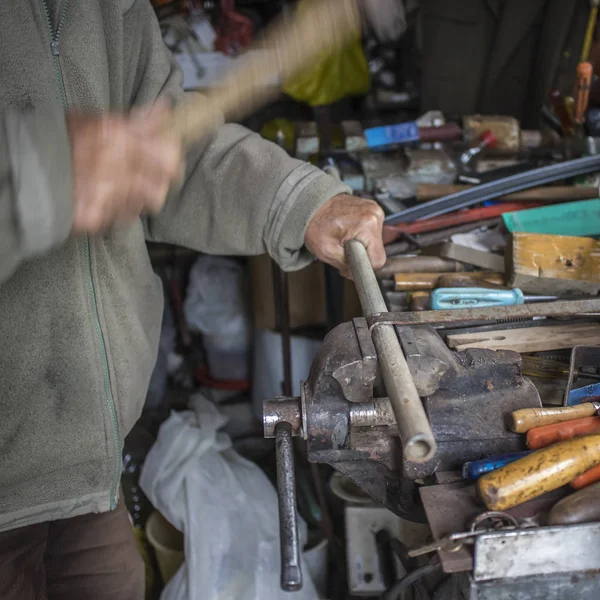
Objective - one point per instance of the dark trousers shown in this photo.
(92, 557)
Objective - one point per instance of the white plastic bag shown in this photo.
(225, 506)
(216, 305)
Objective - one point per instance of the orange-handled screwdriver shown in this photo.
(540, 437)
(583, 83)
(589, 477)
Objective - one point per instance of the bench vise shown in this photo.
(347, 420)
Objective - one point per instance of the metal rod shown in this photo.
(414, 428)
(291, 570)
(560, 308)
(494, 189)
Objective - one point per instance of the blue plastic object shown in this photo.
(473, 470)
(579, 395)
(448, 298)
(391, 135)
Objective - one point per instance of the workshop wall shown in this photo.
(498, 56)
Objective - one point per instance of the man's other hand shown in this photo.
(123, 166)
(341, 219)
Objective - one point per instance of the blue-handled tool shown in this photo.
(583, 394)
(447, 298)
(473, 470)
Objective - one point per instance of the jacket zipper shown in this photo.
(55, 48)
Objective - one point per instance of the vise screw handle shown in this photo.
(291, 570)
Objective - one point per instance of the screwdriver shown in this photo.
(447, 298)
(546, 435)
(474, 469)
(585, 70)
(525, 419)
(540, 472)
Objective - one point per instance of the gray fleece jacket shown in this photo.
(79, 316)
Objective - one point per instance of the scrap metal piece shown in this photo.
(537, 551)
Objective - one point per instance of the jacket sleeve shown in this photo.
(35, 185)
(242, 195)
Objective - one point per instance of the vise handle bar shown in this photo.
(414, 427)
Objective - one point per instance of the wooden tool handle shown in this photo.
(585, 71)
(589, 477)
(552, 193)
(428, 281)
(323, 27)
(540, 437)
(580, 507)
(527, 418)
(538, 473)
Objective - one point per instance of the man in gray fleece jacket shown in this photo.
(84, 180)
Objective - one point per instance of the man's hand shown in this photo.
(123, 166)
(341, 219)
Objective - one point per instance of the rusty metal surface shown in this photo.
(469, 315)
(356, 377)
(469, 409)
(428, 359)
(278, 410)
(376, 413)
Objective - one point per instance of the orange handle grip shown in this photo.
(589, 477)
(540, 437)
(582, 95)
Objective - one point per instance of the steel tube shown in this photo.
(414, 428)
(291, 571)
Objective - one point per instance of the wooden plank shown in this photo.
(554, 264)
(529, 339)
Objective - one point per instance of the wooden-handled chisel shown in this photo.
(525, 419)
(538, 473)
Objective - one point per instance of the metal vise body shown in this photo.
(348, 422)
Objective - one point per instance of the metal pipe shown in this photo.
(291, 571)
(494, 189)
(414, 428)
